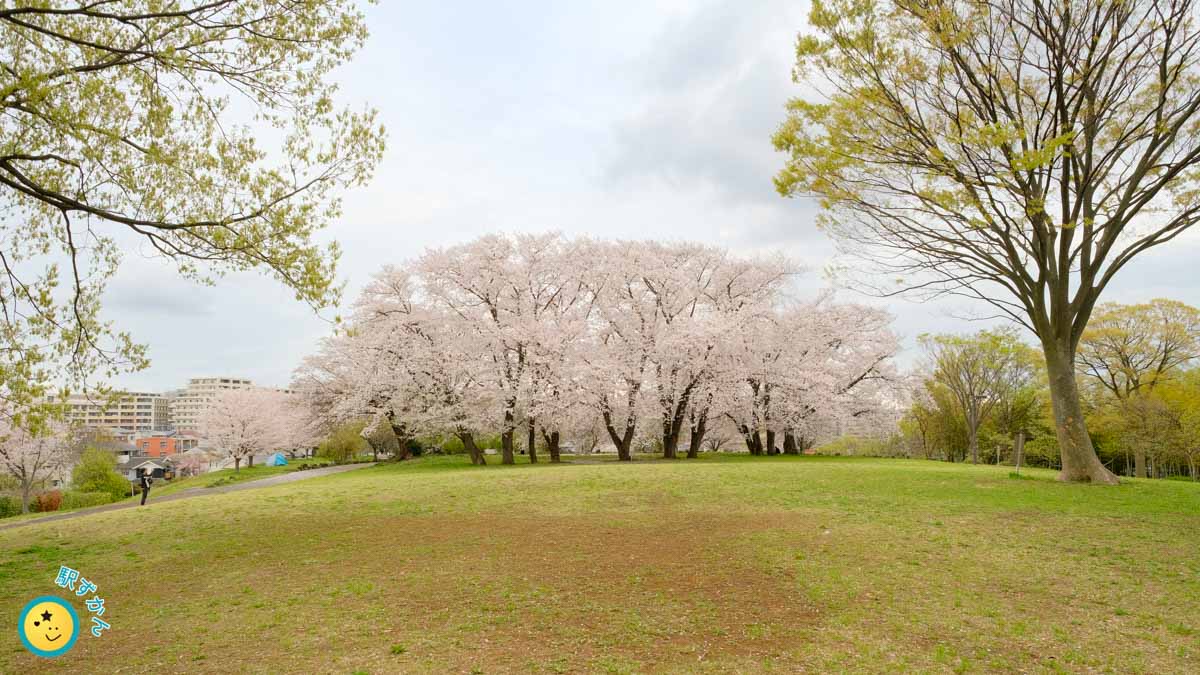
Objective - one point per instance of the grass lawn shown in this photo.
(713, 565)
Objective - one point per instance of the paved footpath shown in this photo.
(288, 477)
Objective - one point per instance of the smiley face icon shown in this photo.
(48, 626)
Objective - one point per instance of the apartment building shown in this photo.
(137, 412)
(189, 404)
(132, 415)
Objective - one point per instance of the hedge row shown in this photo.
(53, 500)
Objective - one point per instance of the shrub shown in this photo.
(312, 465)
(1042, 451)
(74, 499)
(50, 500)
(450, 445)
(9, 506)
(97, 472)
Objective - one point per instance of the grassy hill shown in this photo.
(710, 565)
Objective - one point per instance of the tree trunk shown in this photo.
(1079, 460)
(506, 448)
(771, 450)
(973, 443)
(401, 434)
(507, 451)
(1139, 462)
(753, 440)
(748, 437)
(250, 461)
(506, 440)
(673, 413)
(532, 442)
(468, 441)
(789, 443)
(1019, 450)
(552, 445)
(670, 437)
(237, 464)
(699, 427)
(26, 494)
(621, 441)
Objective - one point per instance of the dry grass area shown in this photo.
(713, 565)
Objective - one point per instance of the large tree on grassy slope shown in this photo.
(1017, 152)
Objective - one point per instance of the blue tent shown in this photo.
(277, 459)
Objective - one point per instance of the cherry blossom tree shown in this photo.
(807, 366)
(473, 284)
(555, 304)
(33, 447)
(555, 338)
(398, 364)
(617, 361)
(294, 432)
(190, 464)
(424, 372)
(243, 422)
(701, 295)
(505, 300)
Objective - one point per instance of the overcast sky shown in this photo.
(617, 119)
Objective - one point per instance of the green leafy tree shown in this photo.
(344, 443)
(1128, 350)
(1020, 411)
(934, 421)
(146, 125)
(1149, 428)
(1182, 396)
(1017, 153)
(97, 472)
(982, 373)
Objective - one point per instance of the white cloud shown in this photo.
(646, 119)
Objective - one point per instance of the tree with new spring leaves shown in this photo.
(1131, 348)
(142, 125)
(1181, 396)
(984, 373)
(1020, 153)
